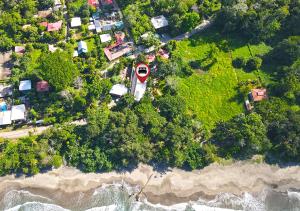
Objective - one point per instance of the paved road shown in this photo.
(33, 130)
(197, 29)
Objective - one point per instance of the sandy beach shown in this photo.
(170, 187)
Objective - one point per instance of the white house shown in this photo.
(105, 38)
(25, 85)
(5, 118)
(159, 22)
(75, 53)
(82, 47)
(118, 90)
(52, 48)
(138, 88)
(75, 22)
(92, 27)
(18, 112)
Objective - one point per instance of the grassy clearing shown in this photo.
(213, 96)
(91, 44)
(35, 54)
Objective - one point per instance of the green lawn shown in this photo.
(213, 95)
(35, 54)
(90, 44)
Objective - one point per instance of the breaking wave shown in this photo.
(117, 197)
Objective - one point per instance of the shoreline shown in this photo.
(168, 188)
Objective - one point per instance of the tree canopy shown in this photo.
(57, 68)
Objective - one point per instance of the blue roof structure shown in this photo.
(119, 24)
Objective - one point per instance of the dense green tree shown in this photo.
(27, 7)
(45, 4)
(176, 21)
(180, 147)
(6, 43)
(256, 20)
(57, 68)
(99, 87)
(254, 63)
(287, 51)
(24, 156)
(171, 106)
(239, 62)
(93, 160)
(286, 137)
(290, 83)
(56, 161)
(190, 21)
(138, 22)
(241, 137)
(150, 119)
(293, 20)
(151, 40)
(166, 68)
(97, 121)
(125, 142)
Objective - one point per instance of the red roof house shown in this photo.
(164, 54)
(151, 58)
(93, 3)
(117, 50)
(20, 50)
(42, 86)
(44, 24)
(54, 26)
(259, 94)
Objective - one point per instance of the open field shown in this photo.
(213, 94)
(35, 54)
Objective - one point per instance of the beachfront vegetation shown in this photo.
(193, 112)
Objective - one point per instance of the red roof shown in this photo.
(120, 36)
(259, 94)
(164, 54)
(20, 49)
(93, 3)
(44, 24)
(117, 50)
(150, 58)
(54, 26)
(42, 86)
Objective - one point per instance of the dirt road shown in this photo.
(15, 134)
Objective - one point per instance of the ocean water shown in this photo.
(118, 197)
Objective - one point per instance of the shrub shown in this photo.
(253, 63)
(239, 62)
